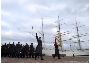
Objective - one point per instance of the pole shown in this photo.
(78, 39)
(43, 34)
(59, 33)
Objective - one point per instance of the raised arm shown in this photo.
(36, 37)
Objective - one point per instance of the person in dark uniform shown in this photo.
(39, 47)
(31, 51)
(5, 47)
(18, 49)
(2, 51)
(56, 52)
(8, 50)
(37, 53)
(26, 49)
(22, 50)
(13, 50)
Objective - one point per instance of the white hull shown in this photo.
(68, 53)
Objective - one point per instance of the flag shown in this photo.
(55, 42)
(58, 33)
(60, 43)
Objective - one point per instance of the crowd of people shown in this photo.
(19, 51)
(12, 50)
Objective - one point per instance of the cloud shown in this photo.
(4, 13)
(4, 24)
(19, 16)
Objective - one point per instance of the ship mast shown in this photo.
(59, 26)
(59, 33)
(43, 35)
(78, 39)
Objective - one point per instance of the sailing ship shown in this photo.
(59, 41)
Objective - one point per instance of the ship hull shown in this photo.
(67, 53)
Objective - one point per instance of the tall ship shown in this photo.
(79, 51)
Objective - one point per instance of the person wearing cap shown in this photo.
(26, 49)
(39, 47)
(31, 51)
(12, 50)
(18, 49)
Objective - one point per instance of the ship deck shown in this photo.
(47, 59)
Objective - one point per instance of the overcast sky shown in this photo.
(18, 17)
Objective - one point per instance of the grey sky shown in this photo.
(18, 17)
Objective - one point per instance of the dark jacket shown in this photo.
(8, 48)
(31, 49)
(18, 48)
(26, 49)
(12, 49)
(39, 46)
(5, 47)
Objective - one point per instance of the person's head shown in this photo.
(5, 43)
(13, 42)
(18, 42)
(26, 44)
(39, 38)
(31, 43)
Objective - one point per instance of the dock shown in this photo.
(47, 59)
